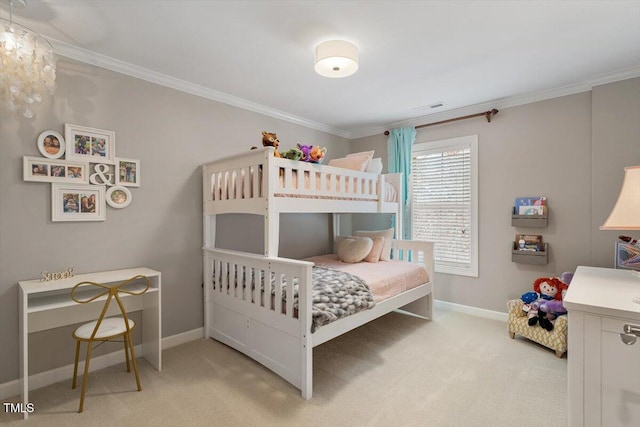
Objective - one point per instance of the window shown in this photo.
(444, 202)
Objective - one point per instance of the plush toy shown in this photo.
(305, 150)
(271, 140)
(566, 277)
(547, 289)
(312, 153)
(317, 154)
(529, 297)
(292, 154)
(548, 311)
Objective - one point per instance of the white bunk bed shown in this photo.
(270, 330)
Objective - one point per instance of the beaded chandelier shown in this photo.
(27, 66)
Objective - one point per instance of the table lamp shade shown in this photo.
(626, 212)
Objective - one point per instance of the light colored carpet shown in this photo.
(399, 370)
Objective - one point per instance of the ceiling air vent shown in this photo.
(429, 106)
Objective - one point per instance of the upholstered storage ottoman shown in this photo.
(555, 339)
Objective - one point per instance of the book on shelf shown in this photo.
(530, 201)
(529, 242)
(532, 210)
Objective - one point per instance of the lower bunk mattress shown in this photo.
(384, 278)
(339, 289)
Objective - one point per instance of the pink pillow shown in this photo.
(358, 163)
(352, 250)
(369, 154)
(385, 255)
(376, 250)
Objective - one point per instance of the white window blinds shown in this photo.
(444, 203)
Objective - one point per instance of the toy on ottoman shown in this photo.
(546, 304)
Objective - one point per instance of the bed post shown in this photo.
(271, 215)
(306, 350)
(335, 230)
(209, 228)
(208, 241)
(400, 212)
(271, 233)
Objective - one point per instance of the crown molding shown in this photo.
(512, 101)
(89, 57)
(83, 55)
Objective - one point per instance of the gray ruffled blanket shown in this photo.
(335, 294)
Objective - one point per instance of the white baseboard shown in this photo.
(182, 338)
(474, 311)
(43, 379)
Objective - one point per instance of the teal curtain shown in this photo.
(399, 146)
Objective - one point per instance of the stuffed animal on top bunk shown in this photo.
(545, 289)
(270, 140)
(292, 154)
(317, 154)
(312, 153)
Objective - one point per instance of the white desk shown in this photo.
(48, 305)
(604, 372)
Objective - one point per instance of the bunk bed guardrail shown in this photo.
(258, 174)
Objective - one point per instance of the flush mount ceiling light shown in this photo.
(27, 65)
(336, 58)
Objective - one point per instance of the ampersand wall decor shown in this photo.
(101, 175)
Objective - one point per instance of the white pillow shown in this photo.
(385, 255)
(391, 195)
(375, 166)
(353, 249)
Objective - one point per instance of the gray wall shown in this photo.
(571, 149)
(172, 133)
(616, 144)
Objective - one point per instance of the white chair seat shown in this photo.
(109, 327)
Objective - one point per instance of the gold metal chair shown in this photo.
(105, 329)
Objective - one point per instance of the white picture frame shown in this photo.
(90, 145)
(51, 144)
(39, 169)
(127, 172)
(68, 202)
(118, 196)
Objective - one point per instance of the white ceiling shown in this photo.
(259, 54)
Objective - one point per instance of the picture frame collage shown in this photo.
(89, 178)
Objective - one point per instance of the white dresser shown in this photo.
(604, 372)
